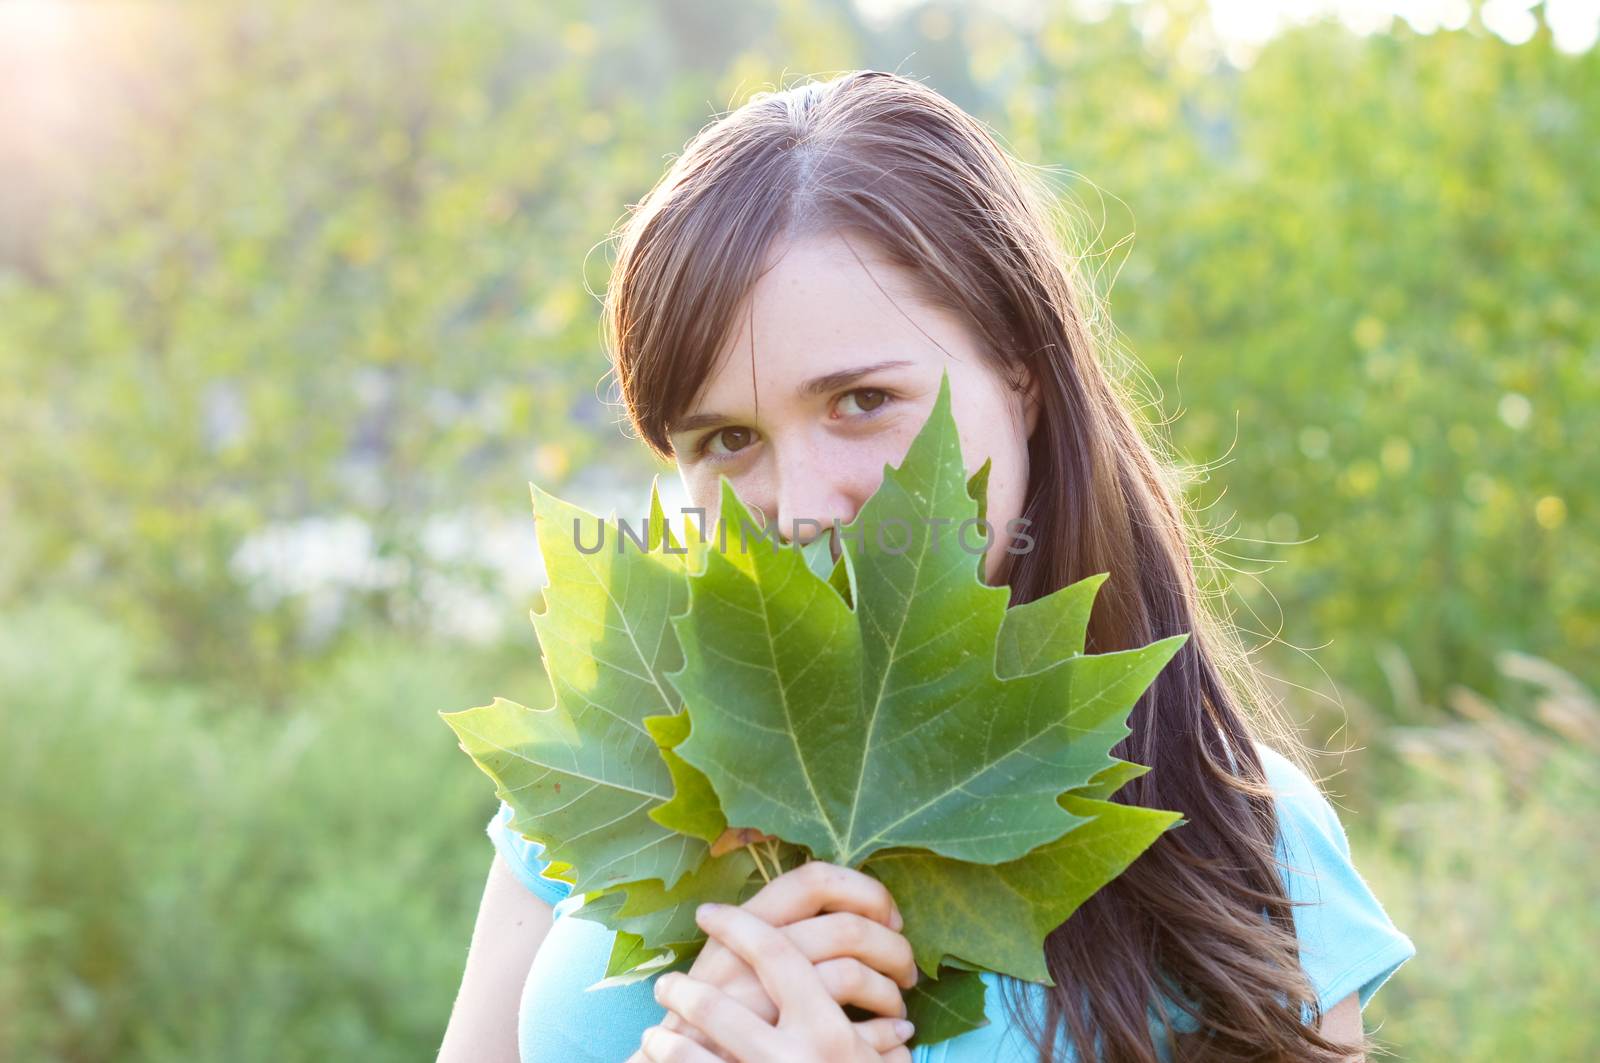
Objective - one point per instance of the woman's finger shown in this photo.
(881, 1035)
(717, 1016)
(846, 978)
(672, 1022)
(818, 886)
(783, 970)
(823, 937)
(659, 1045)
(849, 981)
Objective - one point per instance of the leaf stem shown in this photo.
(756, 856)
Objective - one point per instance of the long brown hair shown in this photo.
(886, 158)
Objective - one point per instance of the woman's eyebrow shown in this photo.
(819, 385)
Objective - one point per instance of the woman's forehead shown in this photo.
(819, 313)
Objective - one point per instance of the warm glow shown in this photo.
(30, 22)
(70, 73)
(43, 82)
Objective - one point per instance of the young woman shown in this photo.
(784, 304)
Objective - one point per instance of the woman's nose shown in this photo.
(808, 499)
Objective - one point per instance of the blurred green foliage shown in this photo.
(345, 262)
(270, 263)
(185, 879)
(1358, 275)
(1481, 835)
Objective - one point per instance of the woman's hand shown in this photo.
(845, 925)
(811, 1027)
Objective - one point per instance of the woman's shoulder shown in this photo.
(525, 857)
(1301, 803)
(1348, 943)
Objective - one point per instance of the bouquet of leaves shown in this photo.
(727, 706)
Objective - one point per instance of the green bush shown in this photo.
(185, 879)
(1478, 827)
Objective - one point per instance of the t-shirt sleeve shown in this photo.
(524, 858)
(1347, 942)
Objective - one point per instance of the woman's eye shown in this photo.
(865, 399)
(725, 443)
(734, 440)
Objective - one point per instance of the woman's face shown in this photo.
(845, 378)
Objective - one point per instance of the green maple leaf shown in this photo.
(946, 1006)
(655, 925)
(585, 776)
(883, 718)
(997, 915)
(632, 960)
(663, 917)
(818, 552)
(1002, 913)
(693, 809)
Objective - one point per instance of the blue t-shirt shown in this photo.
(1347, 945)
